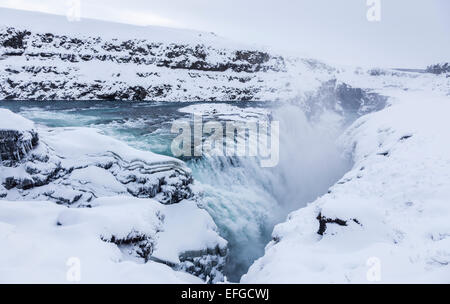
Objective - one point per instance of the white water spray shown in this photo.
(247, 200)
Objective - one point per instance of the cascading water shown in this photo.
(245, 200)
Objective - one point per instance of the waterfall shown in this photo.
(246, 200)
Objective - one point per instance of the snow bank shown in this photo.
(227, 112)
(12, 121)
(187, 229)
(387, 220)
(109, 241)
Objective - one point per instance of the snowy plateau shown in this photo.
(133, 216)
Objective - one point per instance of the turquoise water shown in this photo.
(245, 200)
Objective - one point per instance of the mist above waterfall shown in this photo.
(310, 158)
(247, 200)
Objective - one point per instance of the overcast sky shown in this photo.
(411, 33)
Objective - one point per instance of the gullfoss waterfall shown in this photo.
(245, 200)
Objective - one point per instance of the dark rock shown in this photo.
(324, 221)
(15, 145)
(14, 38)
(438, 69)
(141, 244)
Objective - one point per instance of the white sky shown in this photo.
(411, 33)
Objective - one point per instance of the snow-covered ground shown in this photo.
(47, 243)
(387, 220)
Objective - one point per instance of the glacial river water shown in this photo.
(245, 200)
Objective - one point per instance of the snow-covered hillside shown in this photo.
(46, 57)
(387, 220)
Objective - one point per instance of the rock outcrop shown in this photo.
(440, 68)
(17, 136)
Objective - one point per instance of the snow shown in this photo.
(391, 208)
(55, 234)
(75, 165)
(74, 143)
(184, 223)
(110, 59)
(394, 202)
(110, 30)
(12, 121)
(224, 112)
(98, 178)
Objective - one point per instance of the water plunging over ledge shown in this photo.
(245, 200)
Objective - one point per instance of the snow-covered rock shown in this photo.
(75, 165)
(387, 219)
(67, 61)
(17, 136)
(45, 57)
(112, 242)
(226, 112)
(440, 68)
